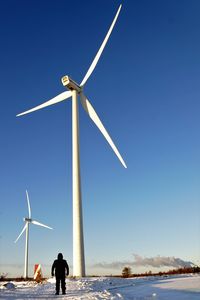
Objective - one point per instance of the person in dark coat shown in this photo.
(61, 270)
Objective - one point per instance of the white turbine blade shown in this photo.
(91, 112)
(54, 100)
(21, 232)
(40, 224)
(95, 61)
(29, 207)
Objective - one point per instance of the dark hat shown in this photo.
(60, 256)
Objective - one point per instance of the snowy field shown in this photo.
(162, 288)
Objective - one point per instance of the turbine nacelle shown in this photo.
(70, 84)
(27, 220)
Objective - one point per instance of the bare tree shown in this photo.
(126, 272)
(3, 276)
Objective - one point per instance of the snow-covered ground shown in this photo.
(160, 288)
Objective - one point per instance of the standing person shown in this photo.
(60, 266)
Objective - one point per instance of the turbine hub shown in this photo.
(27, 220)
(70, 84)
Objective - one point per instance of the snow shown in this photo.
(185, 287)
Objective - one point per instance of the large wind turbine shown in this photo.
(28, 221)
(76, 90)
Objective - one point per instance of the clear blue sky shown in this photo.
(146, 90)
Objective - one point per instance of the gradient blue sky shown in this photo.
(146, 90)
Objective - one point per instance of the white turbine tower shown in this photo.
(76, 90)
(28, 221)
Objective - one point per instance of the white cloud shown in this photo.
(139, 261)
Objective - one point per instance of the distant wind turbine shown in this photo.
(28, 221)
(76, 90)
